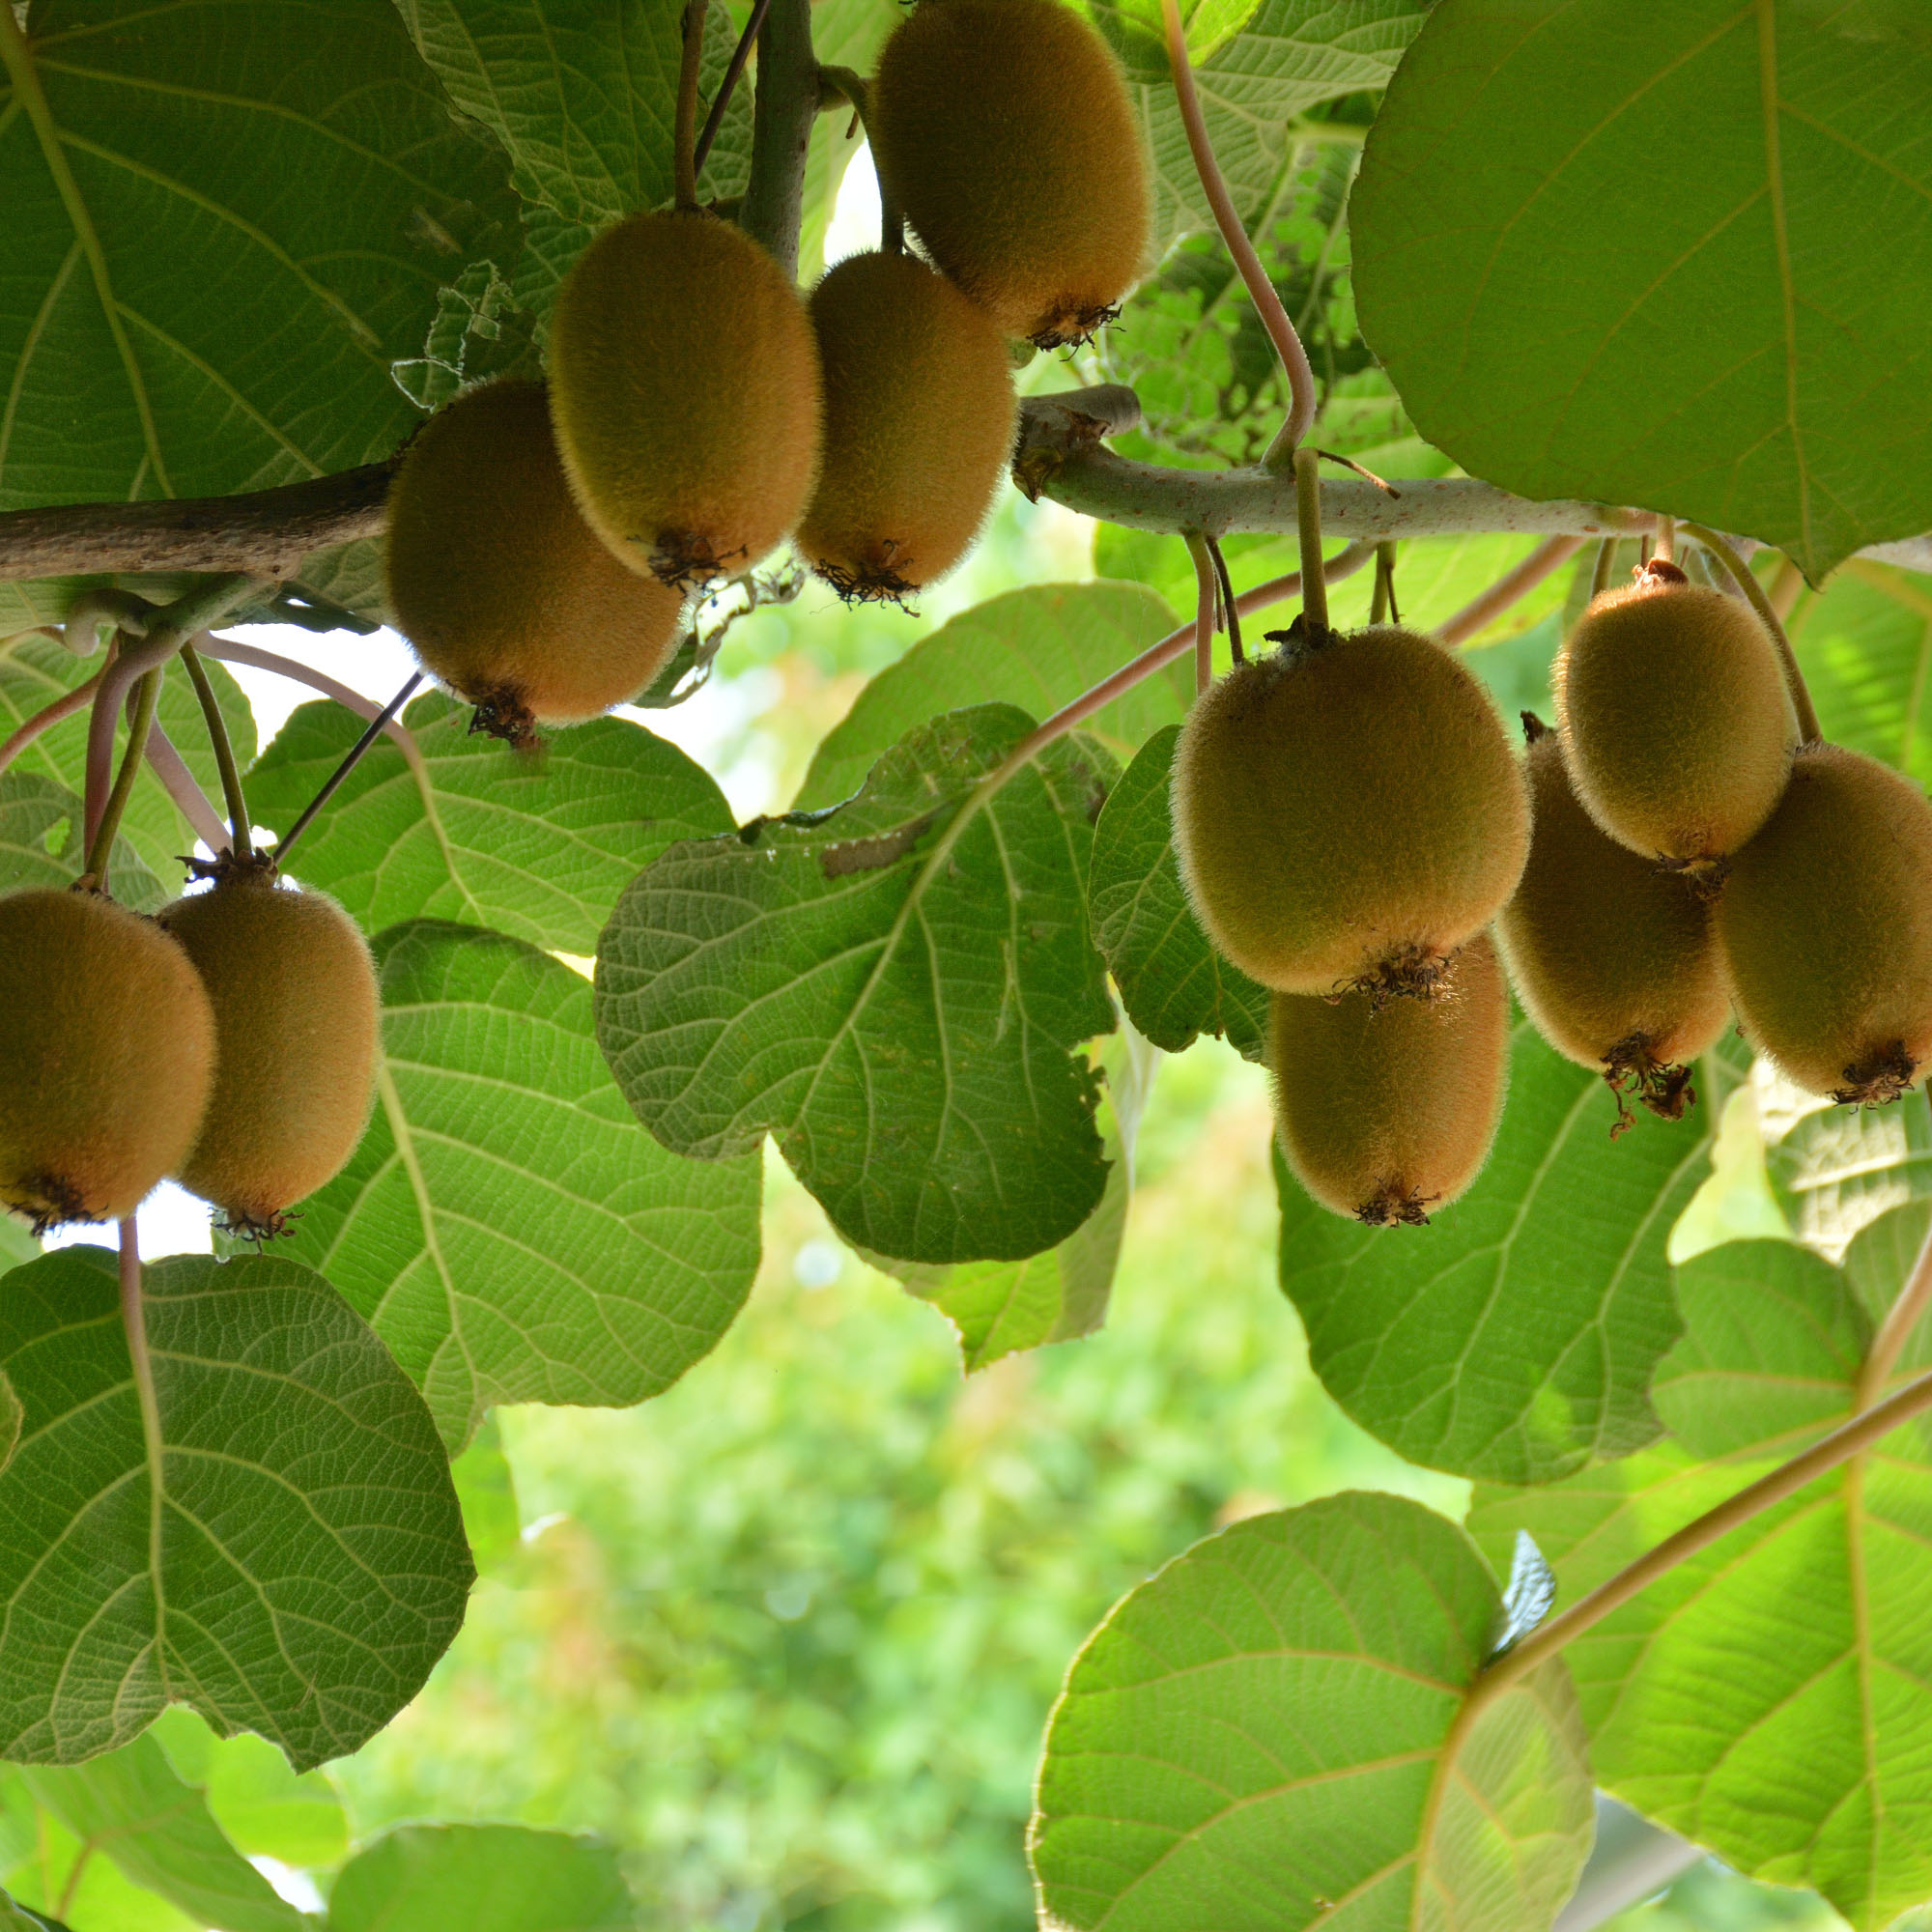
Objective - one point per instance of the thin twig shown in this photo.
(1848, 1439)
(241, 843)
(48, 717)
(1231, 611)
(1308, 523)
(194, 805)
(684, 127)
(1206, 600)
(1509, 588)
(1809, 730)
(1261, 291)
(726, 87)
(101, 845)
(351, 760)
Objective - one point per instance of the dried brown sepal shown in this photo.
(1705, 876)
(1878, 1081)
(1633, 1071)
(870, 582)
(1414, 973)
(684, 560)
(1533, 727)
(1073, 327)
(1653, 574)
(258, 1232)
(1302, 637)
(226, 869)
(48, 1201)
(1395, 1206)
(505, 714)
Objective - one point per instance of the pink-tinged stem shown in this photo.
(167, 764)
(232, 651)
(1509, 590)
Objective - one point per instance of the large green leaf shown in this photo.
(1772, 1695)
(1835, 1169)
(481, 1878)
(133, 1806)
(41, 843)
(35, 670)
(1513, 1337)
(279, 1546)
(583, 96)
(230, 218)
(896, 988)
(504, 1227)
(1265, 1736)
(1865, 648)
(265, 1808)
(1750, 350)
(536, 846)
(1173, 984)
(1037, 648)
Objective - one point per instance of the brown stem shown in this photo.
(1510, 588)
(1844, 1442)
(1231, 609)
(1808, 729)
(733, 73)
(684, 127)
(1261, 291)
(1308, 523)
(46, 718)
(232, 651)
(1206, 596)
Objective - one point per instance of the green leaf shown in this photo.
(1751, 352)
(894, 988)
(12, 1415)
(287, 1556)
(1173, 984)
(16, 1918)
(583, 97)
(228, 223)
(1835, 1169)
(1133, 30)
(998, 1308)
(1769, 1696)
(481, 1878)
(1265, 1736)
(844, 33)
(41, 843)
(157, 1828)
(538, 848)
(35, 670)
(1864, 644)
(267, 1809)
(1513, 1338)
(503, 1226)
(1037, 648)
(486, 1486)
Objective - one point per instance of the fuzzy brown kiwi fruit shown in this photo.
(1615, 960)
(685, 392)
(1826, 929)
(297, 1010)
(1676, 721)
(919, 426)
(1386, 1113)
(508, 596)
(107, 1051)
(1006, 133)
(1348, 812)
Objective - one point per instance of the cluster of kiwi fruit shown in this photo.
(1355, 832)
(229, 1042)
(544, 540)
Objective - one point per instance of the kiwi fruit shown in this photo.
(108, 1052)
(1348, 812)
(507, 595)
(1004, 130)
(297, 1013)
(1614, 961)
(1825, 924)
(1676, 721)
(1387, 1112)
(685, 394)
(919, 426)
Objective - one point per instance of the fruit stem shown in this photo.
(1206, 600)
(1261, 291)
(684, 129)
(734, 70)
(376, 726)
(1308, 523)
(43, 720)
(1382, 607)
(1848, 1439)
(165, 762)
(232, 650)
(1901, 1319)
(843, 84)
(782, 112)
(224, 753)
(1664, 544)
(1606, 557)
(1510, 588)
(1809, 731)
(102, 844)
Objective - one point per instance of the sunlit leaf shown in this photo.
(481, 1878)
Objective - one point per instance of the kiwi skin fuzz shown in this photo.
(1387, 1112)
(1826, 929)
(685, 393)
(1005, 130)
(1348, 812)
(508, 596)
(108, 1050)
(1614, 961)
(1678, 726)
(297, 1012)
(919, 426)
